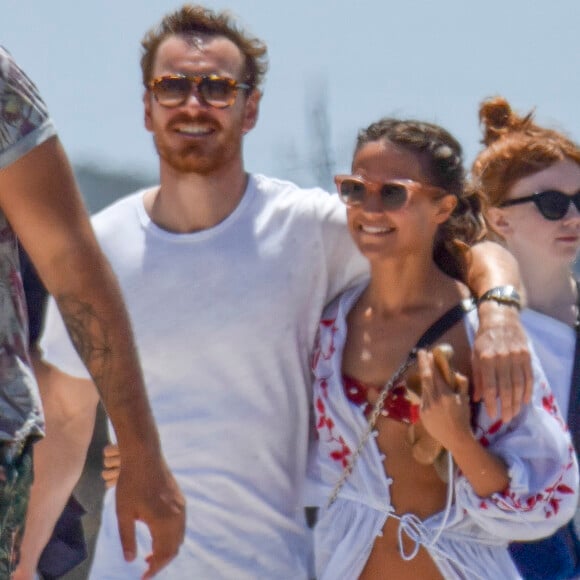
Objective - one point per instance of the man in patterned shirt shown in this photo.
(41, 207)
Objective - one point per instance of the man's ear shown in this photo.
(147, 111)
(251, 110)
(499, 221)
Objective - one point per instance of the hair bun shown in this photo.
(497, 117)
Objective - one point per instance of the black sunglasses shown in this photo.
(213, 90)
(553, 204)
(353, 190)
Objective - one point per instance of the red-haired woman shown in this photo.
(530, 176)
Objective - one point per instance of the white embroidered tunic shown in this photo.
(469, 538)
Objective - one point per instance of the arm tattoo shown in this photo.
(89, 336)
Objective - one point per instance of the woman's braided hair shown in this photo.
(444, 158)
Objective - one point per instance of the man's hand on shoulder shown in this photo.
(501, 360)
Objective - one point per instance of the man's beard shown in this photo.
(200, 157)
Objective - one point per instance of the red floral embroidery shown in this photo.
(321, 350)
(495, 427)
(330, 349)
(548, 403)
(326, 429)
(550, 497)
(563, 488)
(325, 425)
(551, 406)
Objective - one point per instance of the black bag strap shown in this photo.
(444, 323)
(574, 401)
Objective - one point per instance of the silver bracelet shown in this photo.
(506, 295)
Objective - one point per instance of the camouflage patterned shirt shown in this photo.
(24, 124)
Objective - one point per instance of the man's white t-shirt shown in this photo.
(225, 321)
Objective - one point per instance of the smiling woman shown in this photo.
(392, 511)
(435, 171)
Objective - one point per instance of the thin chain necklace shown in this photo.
(372, 421)
(434, 332)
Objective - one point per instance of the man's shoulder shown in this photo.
(124, 209)
(270, 184)
(6, 63)
(24, 119)
(283, 192)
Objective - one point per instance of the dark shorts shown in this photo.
(15, 481)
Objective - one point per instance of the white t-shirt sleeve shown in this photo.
(345, 265)
(56, 345)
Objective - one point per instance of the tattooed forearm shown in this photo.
(101, 333)
(89, 336)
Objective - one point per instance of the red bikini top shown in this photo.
(397, 405)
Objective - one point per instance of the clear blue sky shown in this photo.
(418, 58)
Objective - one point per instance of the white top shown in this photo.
(225, 321)
(554, 343)
(472, 542)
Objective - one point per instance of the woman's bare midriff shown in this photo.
(416, 489)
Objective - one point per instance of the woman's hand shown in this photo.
(445, 410)
(445, 414)
(111, 465)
